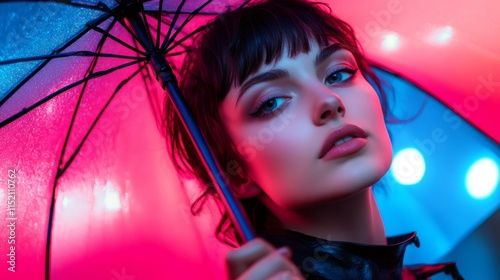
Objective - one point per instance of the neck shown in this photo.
(352, 219)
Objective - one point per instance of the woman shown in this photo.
(280, 90)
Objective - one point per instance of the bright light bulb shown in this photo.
(482, 178)
(408, 166)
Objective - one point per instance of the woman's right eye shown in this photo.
(270, 106)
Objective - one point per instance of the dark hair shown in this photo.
(231, 49)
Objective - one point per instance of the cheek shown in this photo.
(381, 135)
(263, 139)
(364, 107)
(277, 154)
(272, 150)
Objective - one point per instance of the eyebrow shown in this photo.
(276, 74)
(327, 52)
(271, 75)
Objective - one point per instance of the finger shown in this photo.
(271, 265)
(242, 258)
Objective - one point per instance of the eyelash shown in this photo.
(257, 113)
(343, 68)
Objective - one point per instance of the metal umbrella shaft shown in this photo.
(168, 81)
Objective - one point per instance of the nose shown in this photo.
(328, 106)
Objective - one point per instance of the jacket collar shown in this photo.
(324, 259)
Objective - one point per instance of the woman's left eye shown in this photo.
(340, 76)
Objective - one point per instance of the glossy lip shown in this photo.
(345, 148)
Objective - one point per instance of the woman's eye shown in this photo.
(340, 76)
(269, 106)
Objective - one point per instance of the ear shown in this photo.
(248, 189)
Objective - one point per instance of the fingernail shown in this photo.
(285, 251)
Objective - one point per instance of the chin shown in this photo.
(360, 178)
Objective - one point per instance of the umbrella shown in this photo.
(79, 116)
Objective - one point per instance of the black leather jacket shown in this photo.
(323, 259)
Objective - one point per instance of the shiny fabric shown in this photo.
(323, 259)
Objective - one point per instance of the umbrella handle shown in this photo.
(168, 81)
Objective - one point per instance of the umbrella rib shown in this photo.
(166, 43)
(120, 20)
(158, 30)
(172, 24)
(80, 5)
(243, 5)
(148, 32)
(41, 66)
(201, 28)
(146, 76)
(116, 39)
(150, 12)
(52, 203)
(90, 70)
(173, 54)
(62, 55)
(164, 21)
(45, 99)
(80, 145)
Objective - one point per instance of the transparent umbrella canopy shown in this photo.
(87, 177)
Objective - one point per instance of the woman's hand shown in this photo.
(259, 260)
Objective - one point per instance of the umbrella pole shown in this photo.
(168, 81)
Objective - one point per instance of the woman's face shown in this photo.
(288, 114)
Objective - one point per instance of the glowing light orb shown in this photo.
(440, 35)
(391, 41)
(408, 166)
(482, 178)
(111, 199)
(65, 201)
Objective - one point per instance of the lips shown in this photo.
(343, 140)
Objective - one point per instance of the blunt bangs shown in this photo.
(239, 42)
(264, 32)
